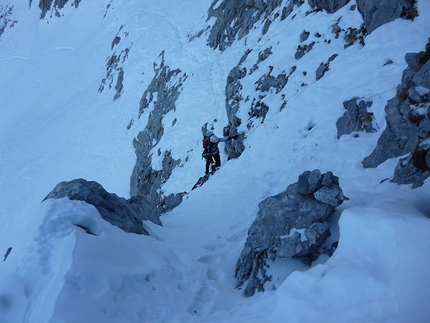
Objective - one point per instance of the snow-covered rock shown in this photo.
(290, 224)
(126, 214)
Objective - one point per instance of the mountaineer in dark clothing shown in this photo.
(211, 151)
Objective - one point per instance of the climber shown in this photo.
(211, 151)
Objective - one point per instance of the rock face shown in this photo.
(377, 13)
(6, 20)
(356, 118)
(236, 19)
(290, 224)
(162, 94)
(126, 214)
(328, 5)
(47, 5)
(408, 123)
(232, 104)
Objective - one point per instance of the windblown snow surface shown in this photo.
(56, 126)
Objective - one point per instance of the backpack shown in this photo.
(207, 147)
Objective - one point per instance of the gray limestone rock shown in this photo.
(324, 67)
(422, 77)
(329, 5)
(234, 148)
(304, 36)
(356, 118)
(126, 214)
(407, 115)
(303, 49)
(6, 20)
(47, 5)
(171, 201)
(290, 224)
(165, 87)
(377, 13)
(234, 19)
(115, 70)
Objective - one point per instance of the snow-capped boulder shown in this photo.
(290, 224)
(408, 123)
(126, 214)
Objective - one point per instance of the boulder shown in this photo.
(293, 223)
(125, 214)
(356, 118)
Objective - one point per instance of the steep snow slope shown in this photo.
(57, 126)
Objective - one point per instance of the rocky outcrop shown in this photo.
(234, 19)
(161, 95)
(415, 168)
(290, 224)
(6, 20)
(377, 13)
(125, 214)
(407, 115)
(47, 5)
(330, 6)
(356, 118)
(114, 67)
(324, 67)
(233, 98)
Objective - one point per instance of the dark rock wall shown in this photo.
(165, 86)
